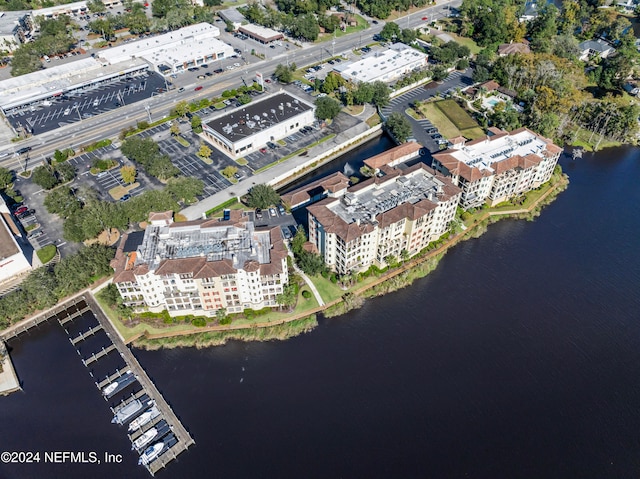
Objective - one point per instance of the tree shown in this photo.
(311, 263)
(244, 99)
(380, 94)
(204, 151)
(185, 188)
(331, 83)
(62, 202)
(96, 6)
(262, 196)
(327, 108)
(480, 74)
(390, 31)
(399, 127)
(65, 172)
(181, 108)
(6, 178)
(174, 129)
(128, 174)
(439, 73)
(44, 177)
(283, 73)
(196, 124)
(229, 171)
(288, 297)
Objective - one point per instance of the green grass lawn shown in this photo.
(458, 116)
(362, 25)
(473, 133)
(47, 253)
(182, 141)
(445, 114)
(326, 288)
(439, 120)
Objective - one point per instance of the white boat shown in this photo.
(151, 453)
(144, 418)
(110, 388)
(145, 439)
(125, 412)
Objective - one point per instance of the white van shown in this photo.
(46, 58)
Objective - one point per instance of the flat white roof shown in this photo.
(397, 58)
(173, 47)
(50, 81)
(484, 154)
(260, 31)
(59, 8)
(9, 21)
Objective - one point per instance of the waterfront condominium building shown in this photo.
(198, 267)
(498, 167)
(396, 213)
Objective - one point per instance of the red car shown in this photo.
(198, 88)
(263, 150)
(20, 210)
(425, 18)
(266, 80)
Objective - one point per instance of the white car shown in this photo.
(237, 65)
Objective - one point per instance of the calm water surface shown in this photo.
(519, 357)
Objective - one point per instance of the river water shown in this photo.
(519, 357)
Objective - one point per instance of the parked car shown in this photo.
(258, 213)
(263, 150)
(198, 88)
(24, 214)
(437, 136)
(20, 210)
(272, 145)
(125, 197)
(272, 212)
(281, 209)
(35, 234)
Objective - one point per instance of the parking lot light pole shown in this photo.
(78, 110)
(146, 107)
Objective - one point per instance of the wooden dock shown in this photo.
(98, 355)
(80, 305)
(83, 336)
(166, 413)
(109, 379)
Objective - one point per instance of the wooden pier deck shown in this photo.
(98, 355)
(182, 435)
(79, 303)
(83, 336)
(109, 379)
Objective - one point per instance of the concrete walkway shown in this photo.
(8, 380)
(312, 286)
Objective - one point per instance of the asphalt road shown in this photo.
(110, 123)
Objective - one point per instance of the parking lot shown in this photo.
(105, 181)
(75, 106)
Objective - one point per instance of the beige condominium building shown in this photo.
(198, 267)
(500, 166)
(398, 212)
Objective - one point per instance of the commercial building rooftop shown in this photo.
(8, 245)
(261, 33)
(379, 64)
(257, 116)
(176, 46)
(61, 78)
(9, 21)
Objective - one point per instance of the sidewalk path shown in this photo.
(312, 286)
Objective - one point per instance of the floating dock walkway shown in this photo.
(175, 437)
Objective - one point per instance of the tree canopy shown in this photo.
(262, 196)
(327, 108)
